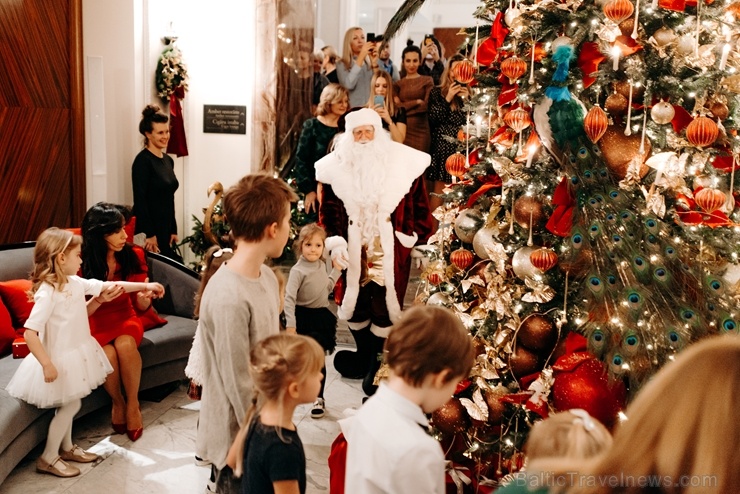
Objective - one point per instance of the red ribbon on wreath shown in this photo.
(177, 144)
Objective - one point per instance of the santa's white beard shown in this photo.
(366, 163)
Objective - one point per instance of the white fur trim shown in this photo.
(407, 241)
(364, 116)
(380, 332)
(356, 326)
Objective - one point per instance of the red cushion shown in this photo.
(150, 319)
(15, 297)
(7, 333)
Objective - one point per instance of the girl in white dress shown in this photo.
(66, 363)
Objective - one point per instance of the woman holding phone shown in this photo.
(355, 69)
(411, 94)
(381, 100)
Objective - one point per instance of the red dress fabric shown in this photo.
(118, 317)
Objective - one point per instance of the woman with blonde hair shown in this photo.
(381, 100)
(682, 432)
(315, 137)
(355, 69)
(557, 447)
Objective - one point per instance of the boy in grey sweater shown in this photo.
(240, 306)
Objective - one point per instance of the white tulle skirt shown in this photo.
(194, 368)
(81, 369)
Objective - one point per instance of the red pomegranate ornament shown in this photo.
(710, 199)
(543, 259)
(618, 10)
(513, 68)
(464, 71)
(518, 119)
(595, 123)
(462, 258)
(702, 131)
(455, 165)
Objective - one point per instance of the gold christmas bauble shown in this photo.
(619, 150)
(627, 26)
(451, 417)
(538, 333)
(686, 44)
(719, 110)
(523, 362)
(662, 113)
(616, 104)
(496, 407)
(664, 36)
(529, 208)
(623, 88)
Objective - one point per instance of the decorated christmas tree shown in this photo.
(593, 208)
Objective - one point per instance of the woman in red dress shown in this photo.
(114, 320)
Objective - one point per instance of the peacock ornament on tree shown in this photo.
(594, 208)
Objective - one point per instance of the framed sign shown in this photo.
(224, 119)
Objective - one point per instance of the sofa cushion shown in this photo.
(7, 333)
(14, 294)
(168, 343)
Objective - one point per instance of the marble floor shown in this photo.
(162, 460)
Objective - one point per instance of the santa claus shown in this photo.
(374, 199)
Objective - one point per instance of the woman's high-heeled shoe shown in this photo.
(134, 434)
(118, 428)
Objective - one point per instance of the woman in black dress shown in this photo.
(154, 181)
(446, 117)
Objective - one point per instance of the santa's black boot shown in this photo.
(375, 360)
(354, 365)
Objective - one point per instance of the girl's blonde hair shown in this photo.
(51, 243)
(695, 440)
(330, 95)
(445, 82)
(389, 105)
(214, 257)
(347, 46)
(560, 443)
(281, 287)
(308, 231)
(275, 363)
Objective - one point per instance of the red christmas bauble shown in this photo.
(455, 165)
(702, 131)
(595, 123)
(710, 199)
(434, 278)
(537, 332)
(618, 10)
(543, 259)
(464, 71)
(518, 119)
(513, 68)
(496, 407)
(581, 382)
(529, 208)
(462, 258)
(451, 417)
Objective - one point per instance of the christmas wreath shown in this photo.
(172, 74)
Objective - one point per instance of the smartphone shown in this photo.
(370, 37)
(379, 100)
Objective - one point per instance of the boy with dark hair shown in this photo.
(240, 306)
(388, 448)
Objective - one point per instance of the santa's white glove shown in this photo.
(337, 247)
(407, 241)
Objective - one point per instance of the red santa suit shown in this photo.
(403, 218)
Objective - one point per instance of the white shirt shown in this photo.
(389, 450)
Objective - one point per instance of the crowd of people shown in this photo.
(361, 165)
